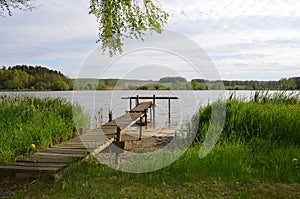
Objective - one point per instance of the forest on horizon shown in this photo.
(38, 78)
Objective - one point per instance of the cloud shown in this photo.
(55, 32)
(244, 39)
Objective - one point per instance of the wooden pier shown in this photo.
(54, 159)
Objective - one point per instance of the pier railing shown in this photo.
(153, 98)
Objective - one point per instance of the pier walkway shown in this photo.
(54, 159)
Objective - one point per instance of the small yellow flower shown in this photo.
(33, 146)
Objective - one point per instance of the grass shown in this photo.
(29, 123)
(221, 174)
(273, 118)
(257, 156)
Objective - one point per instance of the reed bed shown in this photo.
(271, 117)
(29, 123)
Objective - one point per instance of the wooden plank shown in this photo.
(38, 164)
(58, 154)
(69, 147)
(64, 151)
(24, 169)
(41, 159)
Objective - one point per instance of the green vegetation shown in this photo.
(119, 20)
(268, 117)
(172, 79)
(257, 156)
(180, 83)
(196, 85)
(22, 77)
(127, 84)
(7, 5)
(30, 123)
(153, 87)
(183, 179)
(260, 139)
(283, 84)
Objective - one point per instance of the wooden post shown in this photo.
(118, 134)
(110, 116)
(153, 109)
(150, 113)
(169, 111)
(118, 139)
(140, 137)
(146, 119)
(137, 102)
(130, 106)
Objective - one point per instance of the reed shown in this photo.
(29, 123)
(274, 118)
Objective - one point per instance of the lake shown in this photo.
(102, 101)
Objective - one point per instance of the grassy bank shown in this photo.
(221, 174)
(30, 123)
(257, 156)
(271, 118)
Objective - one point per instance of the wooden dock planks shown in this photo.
(55, 158)
(141, 107)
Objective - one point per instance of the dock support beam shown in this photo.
(137, 102)
(118, 134)
(146, 119)
(130, 105)
(141, 129)
(118, 139)
(169, 112)
(110, 116)
(153, 109)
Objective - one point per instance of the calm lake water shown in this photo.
(181, 110)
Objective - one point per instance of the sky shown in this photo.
(243, 40)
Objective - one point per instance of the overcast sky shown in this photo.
(250, 39)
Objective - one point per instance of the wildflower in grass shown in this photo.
(32, 146)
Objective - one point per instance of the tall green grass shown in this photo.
(29, 123)
(274, 118)
(260, 140)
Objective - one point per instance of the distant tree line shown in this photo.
(172, 79)
(95, 84)
(22, 77)
(180, 83)
(292, 83)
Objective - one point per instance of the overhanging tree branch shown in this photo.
(120, 19)
(7, 5)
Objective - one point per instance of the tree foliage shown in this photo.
(291, 83)
(172, 79)
(22, 77)
(120, 19)
(7, 5)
